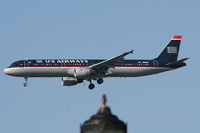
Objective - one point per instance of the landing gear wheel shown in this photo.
(91, 86)
(100, 81)
(25, 84)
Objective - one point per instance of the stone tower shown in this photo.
(104, 121)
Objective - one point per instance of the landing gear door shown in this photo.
(155, 63)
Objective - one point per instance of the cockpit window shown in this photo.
(17, 64)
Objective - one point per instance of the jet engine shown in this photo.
(69, 81)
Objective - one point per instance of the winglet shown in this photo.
(130, 52)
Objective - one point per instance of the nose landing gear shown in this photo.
(26, 82)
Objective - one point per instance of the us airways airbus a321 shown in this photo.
(75, 71)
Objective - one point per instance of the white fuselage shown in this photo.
(64, 71)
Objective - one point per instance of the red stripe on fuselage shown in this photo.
(142, 67)
(87, 66)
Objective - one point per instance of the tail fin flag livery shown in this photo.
(170, 53)
(75, 71)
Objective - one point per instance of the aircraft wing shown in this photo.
(104, 65)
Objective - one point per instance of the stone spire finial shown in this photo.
(104, 99)
(104, 108)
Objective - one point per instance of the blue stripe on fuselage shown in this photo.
(81, 63)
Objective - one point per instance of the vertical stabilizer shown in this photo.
(170, 53)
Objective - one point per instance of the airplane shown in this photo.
(75, 71)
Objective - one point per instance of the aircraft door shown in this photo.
(155, 62)
(26, 64)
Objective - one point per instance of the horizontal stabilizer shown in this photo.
(178, 63)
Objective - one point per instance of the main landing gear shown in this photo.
(100, 81)
(92, 86)
(26, 82)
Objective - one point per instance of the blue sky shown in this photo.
(167, 102)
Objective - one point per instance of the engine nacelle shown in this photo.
(69, 81)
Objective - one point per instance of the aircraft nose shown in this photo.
(7, 71)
